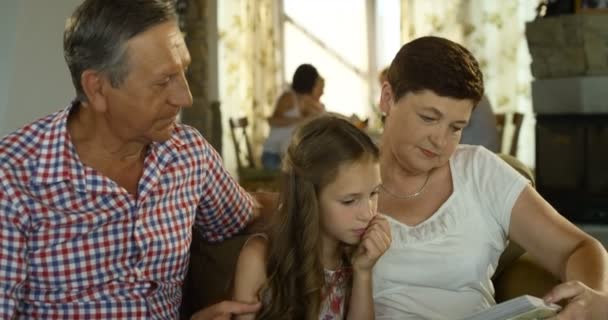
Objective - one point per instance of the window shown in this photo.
(335, 37)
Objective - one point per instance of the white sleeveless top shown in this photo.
(279, 137)
(441, 268)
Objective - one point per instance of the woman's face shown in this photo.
(317, 90)
(422, 129)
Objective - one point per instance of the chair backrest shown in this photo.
(242, 146)
(516, 119)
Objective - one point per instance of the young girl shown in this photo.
(315, 261)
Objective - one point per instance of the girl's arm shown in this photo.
(361, 305)
(250, 273)
(375, 241)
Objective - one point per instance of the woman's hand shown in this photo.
(583, 302)
(375, 241)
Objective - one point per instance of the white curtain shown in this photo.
(494, 31)
(249, 67)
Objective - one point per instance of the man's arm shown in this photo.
(225, 209)
(264, 206)
(13, 265)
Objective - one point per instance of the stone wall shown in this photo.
(569, 45)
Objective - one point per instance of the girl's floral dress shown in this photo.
(334, 303)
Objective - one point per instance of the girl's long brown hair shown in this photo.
(295, 275)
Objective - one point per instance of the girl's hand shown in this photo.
(583, 302)
(375, 241)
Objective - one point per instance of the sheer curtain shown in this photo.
(494, 31)
(249, 67)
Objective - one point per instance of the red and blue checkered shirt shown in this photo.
(75, 245)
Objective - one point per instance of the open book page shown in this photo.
(520, 308)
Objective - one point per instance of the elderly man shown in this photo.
(98, 200)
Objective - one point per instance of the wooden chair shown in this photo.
(516, 119)
(250, 177)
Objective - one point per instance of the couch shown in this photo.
(212, 266)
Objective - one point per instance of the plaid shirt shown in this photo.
(75, 245)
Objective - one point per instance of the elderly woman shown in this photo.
(452, 207)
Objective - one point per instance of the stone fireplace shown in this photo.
(570, 99)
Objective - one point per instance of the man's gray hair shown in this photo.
(96, 36)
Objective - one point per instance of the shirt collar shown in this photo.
(59, 162)
(56, 154)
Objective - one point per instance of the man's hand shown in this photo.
(264, 207)
(225, 309)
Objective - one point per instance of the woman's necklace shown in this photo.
(408, 196)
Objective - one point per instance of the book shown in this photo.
(521, 308)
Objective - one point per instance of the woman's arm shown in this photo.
(310, 107)
(375, 241)
(250, 273)
(278, 119)
(563, 249)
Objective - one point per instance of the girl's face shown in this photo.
(349, 203)
(423, 129)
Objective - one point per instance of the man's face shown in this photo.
(145, 106)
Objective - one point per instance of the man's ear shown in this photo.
(93, 82)
(386, 98)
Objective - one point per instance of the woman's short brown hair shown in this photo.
(437, 64)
